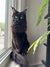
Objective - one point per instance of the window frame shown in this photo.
(8, 37)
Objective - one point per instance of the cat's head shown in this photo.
(19, 21)
(19, 17)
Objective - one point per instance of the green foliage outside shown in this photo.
(2, 26)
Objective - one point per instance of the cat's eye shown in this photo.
(16, 17)
(21, 17)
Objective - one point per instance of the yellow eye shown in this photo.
(21, 17)
(16, 17)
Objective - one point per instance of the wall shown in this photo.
(34, 31)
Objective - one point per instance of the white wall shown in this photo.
(34, 31)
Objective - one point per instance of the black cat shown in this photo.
(20, 43)
(19, 21)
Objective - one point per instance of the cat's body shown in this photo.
(20, 43)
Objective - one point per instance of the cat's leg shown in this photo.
(21, 60)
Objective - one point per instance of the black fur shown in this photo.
(19, 22)
(20, 43)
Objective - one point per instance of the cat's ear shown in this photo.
(14, 10)
(25, 11)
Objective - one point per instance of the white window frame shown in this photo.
(8, 17)
(7, 40)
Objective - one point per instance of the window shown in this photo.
(2, 23)
(5, 33)
(5, 21)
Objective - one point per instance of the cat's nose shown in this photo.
(17, 19)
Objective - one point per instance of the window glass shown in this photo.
(2, 23)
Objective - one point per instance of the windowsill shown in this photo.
(1, 51)
(5, 54)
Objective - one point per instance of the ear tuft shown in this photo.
(13, 9)
(25, 11)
